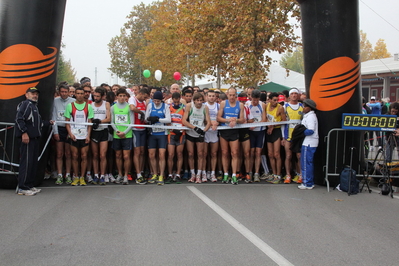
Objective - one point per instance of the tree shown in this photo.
(293, 61)
(234, 36)
(65, 71)
(366, 49)
(380, 50)
(123, 48)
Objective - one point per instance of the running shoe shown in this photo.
(59, 180)
(153, 179)
(129, 177)
(82, 181)
(75, 181)
(269, 178)
(125, 180)
(177, 179)
(296, 178)
(95, 180)
(213, 178)
(208, 175)
(186, 175)
(106, 178)
(287, 179)
(68, 179)
(192, 179)
(256, 177)
(36, 190)
(169, 180)
(264, 176)
(89, 178)
(276, 180)
(160, 181)
(234, 180)
(220, 176)
(102, 181)
(248, 179)
(302, 186)
(225, 179)
(299, 180)
(111, 178)
(26, 192)
(118, 179)
(198, 179)
(140, 180)
(204, 177)
(239, 177)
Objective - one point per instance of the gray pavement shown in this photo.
(170, 225)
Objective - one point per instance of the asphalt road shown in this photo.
(203, 224)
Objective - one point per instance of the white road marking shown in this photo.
(259, 243)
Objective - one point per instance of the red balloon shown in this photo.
(176, 76)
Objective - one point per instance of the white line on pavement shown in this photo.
(259, 243)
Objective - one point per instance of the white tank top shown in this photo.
(100, 113)
(196, 118)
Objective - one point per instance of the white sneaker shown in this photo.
(204, 178)
(125, 181)
(111, 178)
(36, 190)
(26, 192)
(213, 178)
(208, 175)
(118, 179)
(302, 186)
(106, 178)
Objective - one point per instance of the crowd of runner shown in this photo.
(116, 134)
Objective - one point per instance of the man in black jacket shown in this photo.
(28, 128)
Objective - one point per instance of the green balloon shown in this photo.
(146, 73)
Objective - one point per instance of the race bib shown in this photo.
(157, 129)
(80, 132)
(121, 119)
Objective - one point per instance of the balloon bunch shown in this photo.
(158, 74)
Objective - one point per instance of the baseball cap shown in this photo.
(372, 98)
(281, 98)
(33, 89)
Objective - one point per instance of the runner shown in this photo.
(176, 139)
(62, 145)
(256, 134)
(157, 114)
(99, 135)
(79, 112)
(211, 136)
(138, 105)
(293, 111)
(274, 113)
(196, 117)
(231, 112)
(122, 143)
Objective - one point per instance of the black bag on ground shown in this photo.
(349, 175)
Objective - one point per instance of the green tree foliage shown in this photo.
(65, 71)
(293, 61)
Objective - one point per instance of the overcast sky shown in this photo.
(89, 25)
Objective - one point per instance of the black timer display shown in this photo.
(369, 122)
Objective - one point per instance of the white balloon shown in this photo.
(158, 75)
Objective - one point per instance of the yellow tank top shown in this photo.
(272, 115)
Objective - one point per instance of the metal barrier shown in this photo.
(7, 149)
(340, 136)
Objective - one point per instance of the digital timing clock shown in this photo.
(369, 122)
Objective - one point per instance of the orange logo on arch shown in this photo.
(23, 66)
(334, 83)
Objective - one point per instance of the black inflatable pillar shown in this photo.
(30, 38)
(330, 35)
